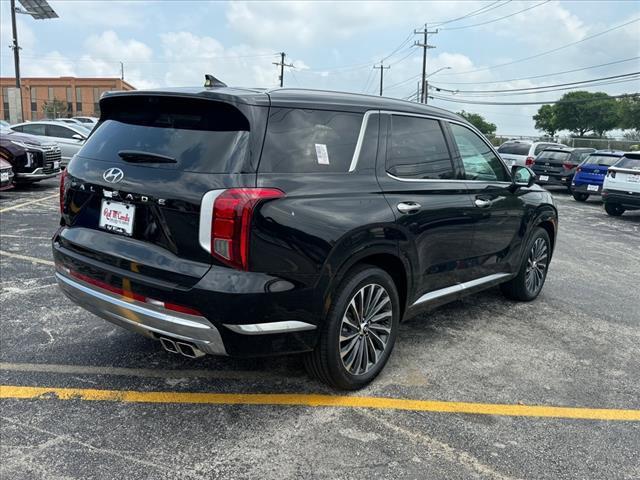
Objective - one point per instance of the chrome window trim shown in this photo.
(363, 129)
(461, 287)
(206, 217)
(288, 326)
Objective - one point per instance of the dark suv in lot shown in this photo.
(31, 159)
(255, 222)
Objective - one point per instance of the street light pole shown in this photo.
(16, 54)
(426, 84)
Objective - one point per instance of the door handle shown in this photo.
(482, 203)
(409, 207)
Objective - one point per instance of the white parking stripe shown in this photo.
(28, 259)
(20, 205)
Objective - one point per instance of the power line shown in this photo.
(425, 46)
(473, 13)
(545, 75)
(281, 64)
(549, 102)
(546, 52)
(499, 18)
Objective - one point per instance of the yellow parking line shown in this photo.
(311, 400)
(27, 258)
(20, 205)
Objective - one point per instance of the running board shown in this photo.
(461, 287)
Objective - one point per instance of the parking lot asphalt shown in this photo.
(577, 345)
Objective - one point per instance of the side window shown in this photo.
(59, 131)
(417, 149)
(308, 141)
(479, 161)
(34, 129)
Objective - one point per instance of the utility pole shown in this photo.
(121, 70)
(425, 46)
(382, 69)
(281, 64)
(16, 55)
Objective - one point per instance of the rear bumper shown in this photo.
(554, 179)
(584, 188)
(630, 200)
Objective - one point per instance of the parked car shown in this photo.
(557, 165)
(523, 152)
(6, 174)
(4, 124)
(89, 122)
(71, 121)
(248, 222)
(621, 190)
(589, 175)
(69, 137)
(32, 159)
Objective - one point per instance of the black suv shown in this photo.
(558, 165)
(256, 222)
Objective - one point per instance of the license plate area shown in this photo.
(634, 178)
(543, 178)
(4, 176)
(593, 188)
(117, 217)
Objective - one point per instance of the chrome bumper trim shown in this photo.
(143, 318)
(271, 327)
(37, 174)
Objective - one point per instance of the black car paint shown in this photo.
(302, 245)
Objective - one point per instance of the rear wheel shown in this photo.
(359, 332)
(580, 197)
(526, 286)
(614, 209)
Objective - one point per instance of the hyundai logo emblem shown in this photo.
(113, 175)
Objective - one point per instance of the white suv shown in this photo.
(621, 190)
(523, 152)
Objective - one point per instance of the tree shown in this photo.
(629, 112)
(478, 121)
(582, 112)
(55, 108)
(546, 120)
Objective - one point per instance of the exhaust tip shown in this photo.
(169, 345)
(189, 350)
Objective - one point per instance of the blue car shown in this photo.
(589, 176)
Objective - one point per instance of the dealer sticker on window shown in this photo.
(117, 217)
(322, 154)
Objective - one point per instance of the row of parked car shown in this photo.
(612, 174)
(34, 151)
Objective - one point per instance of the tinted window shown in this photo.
(578, 157)
(59, 132)
(553, 155)
(305, 141)
(540, 147)
(604, 160)
(417, 149)
(479, 161)
(631, 163)
(513, 148)
(33, 129)
(202, 136)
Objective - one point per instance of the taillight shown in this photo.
(568, 166)
(530, 161)
(231, 223)
(63, 179)
(611, 173)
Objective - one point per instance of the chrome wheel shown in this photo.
(536, 266)
(365, 329)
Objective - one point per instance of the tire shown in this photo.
(580, 197)
(527, 285)
(614, 209)
(326, 362)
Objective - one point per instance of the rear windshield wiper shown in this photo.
(136, 156)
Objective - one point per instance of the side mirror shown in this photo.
(77, 136)
(522, 176)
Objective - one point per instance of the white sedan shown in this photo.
(621, 190)
(69, 137)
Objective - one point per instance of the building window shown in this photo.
(34, 102)
(51, 94)
(96, 101)
(5, 102)
(69, 101)
(78, 100)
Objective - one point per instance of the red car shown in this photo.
(6, 175)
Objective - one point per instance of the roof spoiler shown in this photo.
(211, 81)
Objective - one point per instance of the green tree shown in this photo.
(583, 112)
(629, 112)
(55, 108)
(546, 120)
(478, 121)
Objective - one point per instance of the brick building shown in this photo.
(81, 95)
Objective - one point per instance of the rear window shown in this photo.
(631, 163)
(602, 160)
(307, 141)
(541, 146)
(554, 155)
(515, 148)
(202, 136)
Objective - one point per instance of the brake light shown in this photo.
(231, 223)
(568, 166)
(63, 180)
(530, 161)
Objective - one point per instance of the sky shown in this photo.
(334, 45)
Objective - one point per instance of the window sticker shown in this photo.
(322, 154)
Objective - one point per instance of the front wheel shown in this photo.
(359, 332)
(580, 197)
(614, 209)
(526, 286)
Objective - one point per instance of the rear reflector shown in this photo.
(568, 166)
(63, 181)
(530, 161)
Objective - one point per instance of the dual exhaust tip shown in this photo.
(183, 348)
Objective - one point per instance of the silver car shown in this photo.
(69, 137)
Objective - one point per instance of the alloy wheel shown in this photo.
(365, 329)
(536, 266)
